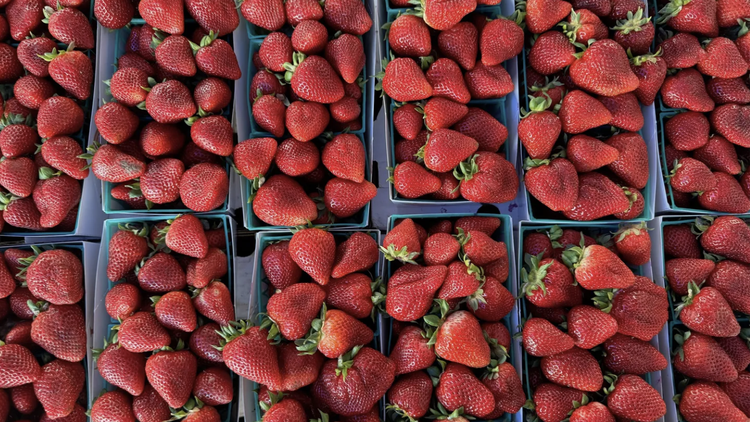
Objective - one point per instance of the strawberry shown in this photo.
(121, 368)
(253, 157)
(459, 43)
(72, 70)
(295, 158)
(598, 197)
(219, 16)
(112, 403)
(160, 184)
(551, 53)
(28, 52)
(17, 137)
(408, 121)
(440, 113)
(640, 310)
(175, 311)
(170, 102)
(11, 68)
(294, 309)
(737, 391)
(583, 25)
(213, 266)
(406, 150)
(313, 79)
(651, 70)
(21, 213)
(587, 153)
(137, 61)
(412, 351)
(313, 250)
(604, 69)
(589, 327)
(404, 81)
(345, 110)
(357, 253)
(149, 406)
(267, 83)
(32, 90)
(594, 411)
(19, 366)
(462, 280)
(213, 386)
(575, 368)
(158, 139)
(554, 183)
(698, 16)
(165, 15)
(633, 398)
(410, 395)
(548, 284)
(161, 273)
(18, 176)
(488, 82)
(625, 110)
(447, 81)
(344, 157)
(537, 243)
(580, 112)
(489, 133)
(215, 302)
(633, 244)
(728, 12)
(202, 341)
(703, 400)
(480, 248)
(309, 37)
(23, 17)
(63, 153)
(505, 385)
(459, 339)
(347, 56)
(268, 15)
(338, 333)
(704, 310)
(174, 55)
(23, 398)
(287, 409)
(306, 120)
(122, 300)
(299, 10)
(411, 289)
(630, 355)
(409, 36)
(344, 198)
(279, 202)
(13, 259)
(212, 95)
(59, 116)
(352, 294)
(368, 377)
(55, 276)
(635, 33)
(686, 90)
(553, 402)
(539, 130)
(55, 197)
(494, 53)
(59, 386)
(681, 271)
(743, 41)
(114, 14)
(213, 134)
(492, 301)
(459, 387)
(722, 59)
(687, 131)
(445, 149)
(347, 16)
(727, 236)
(700, 356)
(487, 177)
(69, 26)
(278, 265)
(727, 196)
(725, 279)
(729, 120)
(441, 16)
(724, 91)
(171, 373)
(681, 51)
(204, 187)
(543, 15)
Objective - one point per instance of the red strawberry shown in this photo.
(165, 15)
(313, 79)
(267, 83)
(203, 340)
(440, 113)
(594, 411)
(63, 153)
(313, 250)
(696, 16)
(484, 128)
(604, 69)
(215, 302)
(70, 26)
(295, 158)
(703, 400)
(724, 91)
(357, 253)
(722, 59)
(72, 70)
(17, 137)
(114, 14)
(299, 10)
(59, 387)
(640, 310)
(121, 368)
(21, 213)
(160, 184)
(447, 81)
(548, 284)
(680, 242)
(23, 17)
(705, 311)
(213, 134)
(727, 236)
(459, 387)
(551, 53)
(174, 55)
(344, 157)
(32, 90)
(115, 122)
(597, 267)
(725, 279)
(584, 24)
(19, 366)
(254, 157)
(55, 276)
(729, 120)
(345, 110)
(306, 120)
(686, 90)
(112, 403)
(348, 16)
(204, 187)
(278, 202)
(728, 12)
(170, 102)
(575, 368)
(634, 244)
(346, 55)
(288, 409)
(459, 43)
(23, 398)
(403, 81)
(407, 121)
(543, 15)
(459, 339)
(445, 149)
(700, 356)
(589, 327)
(248, 353)
(633, 398)
(598, 197)
(412, 351)
(494, 53)
(220, 17)
(488, 82)
(635, 33)
(161, 273)
(213, 266)
(110, 164)
(185, 235)
(410, 395)
(553, 402)
(55, 197)
(411, 180)
(212, 95)
(587, 153)
(137, 61)
(158, 139)
(278, 265)
(213, 386)
(122, 300)
(539, 130)
(293, 309)
(630, 355)
(487, 177)
(345, 198)
(580, 112)
(441, 15)
(651, 70)
(737, 391)
(687, 131)
(175, 311)
(172, 373)
(553, 182)
(681, 271)
(626, 111)
(411, 290)
(681, 51)
(265, 14)
(309, 37)
(18, 176)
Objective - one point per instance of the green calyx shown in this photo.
(680, 339)
(497, 350)
(16, 119)
(634, 22)
(630, 229)
(573, 256)
(297, 59)
(47, 173)
(533, 275)
(25, 262)
(323, 417)
(441, 413)
(570, 29)
(378, 297)
(396, 413)
(37, 307)
(274, 334)
(392, 254)
(701, 224)
(110, 339)
(157, 39)
(435, 319)
(671, 10)
(537, 104)
(531, 163)
(55, 53)
(346, 361)
(466, 169)
(603, 299)
(205, 41)
(554, 234)
(309, 344)
(435, 371)
(693, 290)
(743, 27)
(232, 331)
(138, 229)
(275, 398)
(192, 406)
(645, 58)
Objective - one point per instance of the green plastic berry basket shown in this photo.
(258, 132)
(594, 230)
(262, 287)
(504, 234)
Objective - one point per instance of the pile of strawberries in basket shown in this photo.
(707, 265)
(576, 349)
(308, 85)
(587, 83)
(168, 298)
(313, 353)
(42, 324)
(447, 147)
(151, 157)
(706, 47)
(449, 305)
(48, 77)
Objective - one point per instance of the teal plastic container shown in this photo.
(504, 233)
(593, 230)
(258, 132)
(263, 294)
(495, 107)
